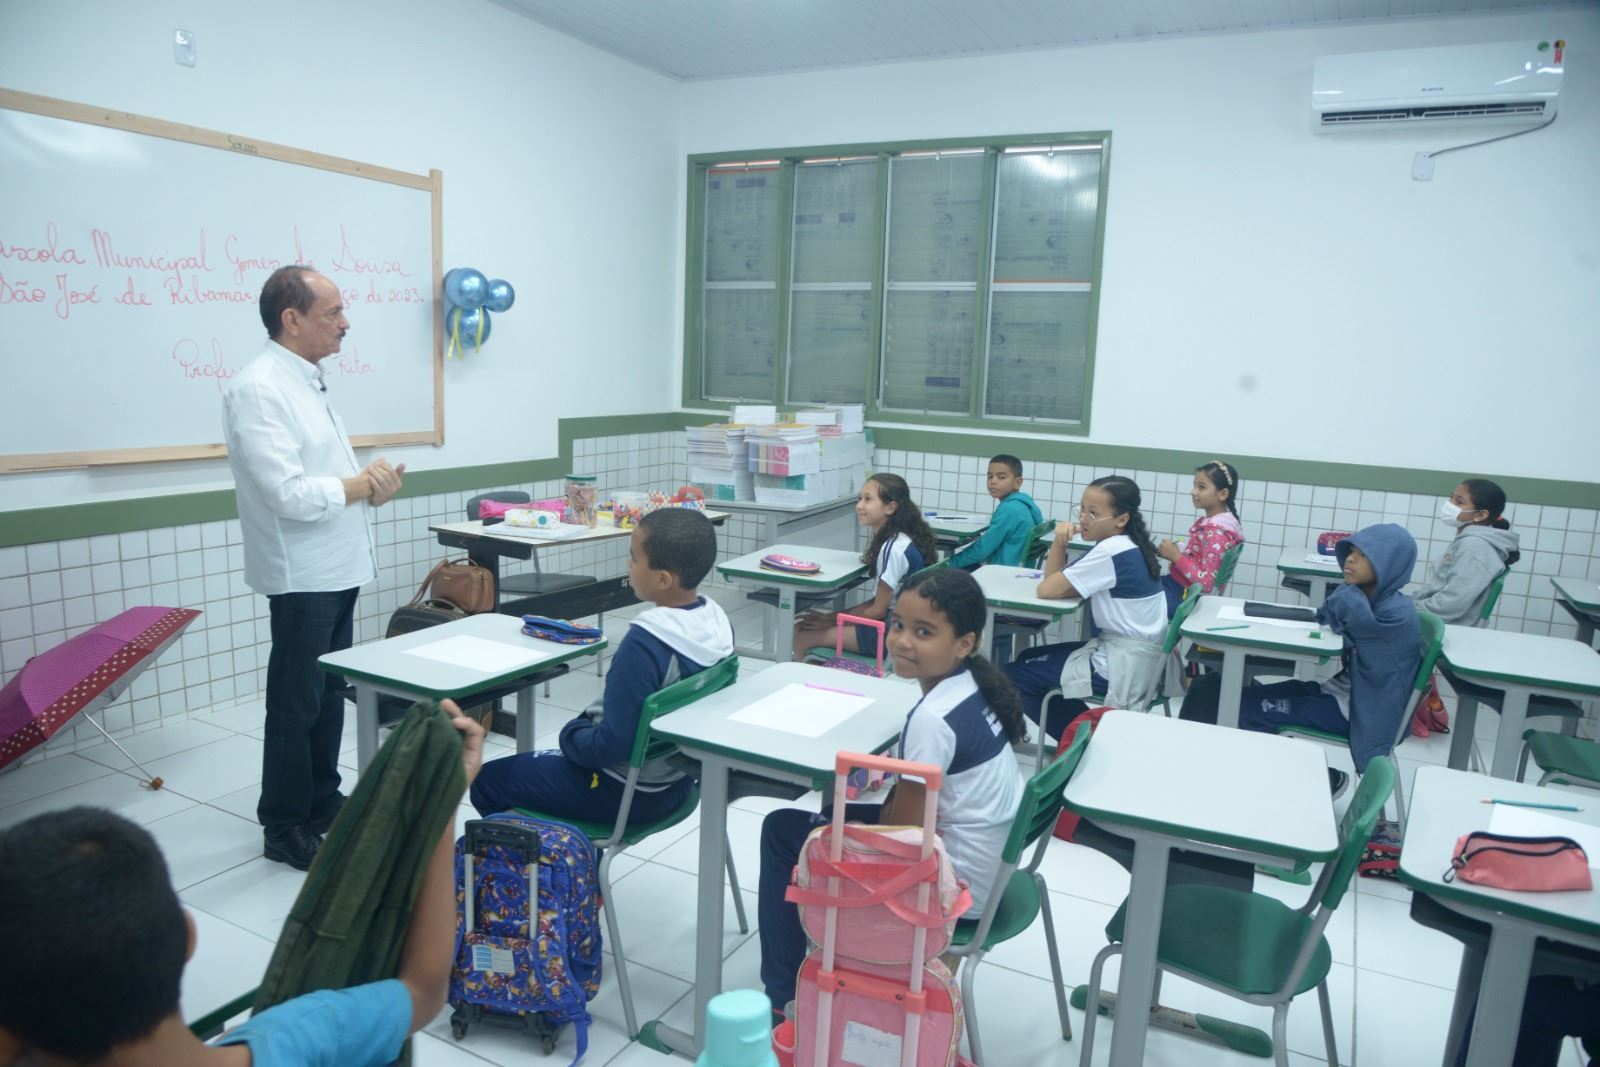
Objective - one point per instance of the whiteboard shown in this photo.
(132, 252)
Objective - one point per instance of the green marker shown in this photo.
(1219, 629)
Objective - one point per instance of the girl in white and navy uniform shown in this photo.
(965, 724)
(1120, 577)
(902, 544)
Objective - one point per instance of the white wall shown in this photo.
(1270, 291)
(559, 165)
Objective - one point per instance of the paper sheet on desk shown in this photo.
(1531, 822)
(1330, 562)
(802, 709)
(1233, 613)
(560, 531)
(479, 654)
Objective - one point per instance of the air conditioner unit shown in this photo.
(1513, 83)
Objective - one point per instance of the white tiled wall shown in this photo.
(53, 590)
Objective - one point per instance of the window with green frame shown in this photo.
(952, 282)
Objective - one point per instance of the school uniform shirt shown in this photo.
(897, 557)
(1125, 598)
(363, 1026)
(662, 646)
(953, 729)
(289, 454)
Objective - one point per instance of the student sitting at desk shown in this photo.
(965, 724)
(901, 544)
(1382, 648)
(1483, 548)
(1120, 578)
(95, 941)
(1010, 527)
(1213, 533)
(670, 552)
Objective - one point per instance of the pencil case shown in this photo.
(776, 561)
(1328, 543)
(1526, 864)
(560, 630)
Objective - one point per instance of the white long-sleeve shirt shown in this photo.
(289, 453)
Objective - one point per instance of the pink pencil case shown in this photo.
(1528, 864)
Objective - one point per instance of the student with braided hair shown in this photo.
(1120, 577)
(1216, 485)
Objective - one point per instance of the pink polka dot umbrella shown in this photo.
(85, 674)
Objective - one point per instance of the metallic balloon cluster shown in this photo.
(469, 297)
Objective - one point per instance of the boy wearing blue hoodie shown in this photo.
(681, 635)
(1382, 649)
(1010, 527)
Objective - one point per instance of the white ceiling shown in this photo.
(689, 39)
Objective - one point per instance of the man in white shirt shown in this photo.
(305, 509)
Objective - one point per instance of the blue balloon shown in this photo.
(501, 296)
(464, 324)
(465, 287)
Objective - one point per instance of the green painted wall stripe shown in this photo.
(179, 509)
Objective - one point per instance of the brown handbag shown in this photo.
(460, 583)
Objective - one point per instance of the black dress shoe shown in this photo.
(319, 823)
(295, 846)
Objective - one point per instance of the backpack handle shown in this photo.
(838, 635)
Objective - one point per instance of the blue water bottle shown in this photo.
(738, 1029)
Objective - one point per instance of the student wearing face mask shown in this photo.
(1484, 546)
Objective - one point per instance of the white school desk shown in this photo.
(831, 523)
(387, 667)
(1520, 666)
(1321, 576)
(953, 529)
(1168, 784)
(1254, 636)
(703, 731)
(1011, 590)
(1580, 598)
(1446, 804)
(839, 569)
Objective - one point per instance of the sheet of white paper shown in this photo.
(478, 654)
(1330, 562)
(801, 709)
(1233, 613)
(560, 531)
(1533, 822)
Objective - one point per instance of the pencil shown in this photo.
(1238, 626)
(1530, 804)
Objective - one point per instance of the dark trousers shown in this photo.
(1174, 593)
(1267, 708)
(305, 707)
(1036, 672)
(549, 783)
(1555, 1008)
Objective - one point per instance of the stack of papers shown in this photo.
(718, 461)
(852, 417)
(785, 449)
(1322, 561)
(847, 451)
(755, 414)
(556, 531)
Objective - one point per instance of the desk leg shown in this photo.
(708, 930)
(1500, 995)
(1508, 742)
(1232, 687)
(366, 725)
(780, 637)
(1136, 988)
(525, 719)
(1462, 731)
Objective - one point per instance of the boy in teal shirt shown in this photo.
(1011, 527)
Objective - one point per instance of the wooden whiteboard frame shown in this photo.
(431, 183)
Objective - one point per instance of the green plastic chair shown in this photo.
(1251, 946)
(1019, 894)
(1496, 587)
(1432, 644)
(616, 837)
(1230, 560)
(1038, 543)
(215, 1021)
(1564, 760)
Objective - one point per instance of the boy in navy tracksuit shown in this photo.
(1382, 650)
(681, 635)
(1010, 527)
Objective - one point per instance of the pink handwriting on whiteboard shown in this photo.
(242, 262)
(349, 262)
(45, 253)
(108, 254)
(349, 364)
(195, 367)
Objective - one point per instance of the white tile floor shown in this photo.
(1391, 983)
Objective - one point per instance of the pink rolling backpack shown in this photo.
(880, 901)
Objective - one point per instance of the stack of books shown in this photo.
(718, 462)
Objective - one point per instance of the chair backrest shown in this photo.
(1495, 588)
(1230, 560)
(1039, 539)
(679, 694)
(1432, 646)
(505, 496)
(1041, 799)
(1191, 597)
(1356, 828)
